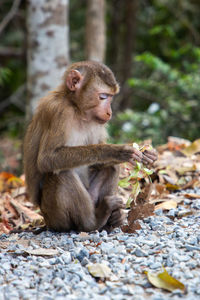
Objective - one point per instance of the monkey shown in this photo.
(70, 170)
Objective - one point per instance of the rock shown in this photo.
(139, 253)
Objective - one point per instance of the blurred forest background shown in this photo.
(153, 47)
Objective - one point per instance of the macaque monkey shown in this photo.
(71, 173)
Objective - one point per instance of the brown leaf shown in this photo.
(138, 212)
(191, 196)
(29, 214)
(144, 195)
(131, 228)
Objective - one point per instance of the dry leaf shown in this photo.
(84, 236)
(167, 205)
(29, 214)
(192, 149)
(99, 270)
(42, 252)
(165, 281)
(191, 196)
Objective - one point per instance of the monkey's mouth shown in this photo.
(101, 121)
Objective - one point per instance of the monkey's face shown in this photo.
(103, 112)
(97, 103)
(91, 95)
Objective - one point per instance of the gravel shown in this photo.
(170, 239)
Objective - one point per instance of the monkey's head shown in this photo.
(90, 86)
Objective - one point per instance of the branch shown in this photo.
(15, 99)
(10, 15)
(11, 52)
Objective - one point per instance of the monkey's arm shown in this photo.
(54, 156)
(148, 158)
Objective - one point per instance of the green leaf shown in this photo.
(128, 203)
(124, 183)
(147, 171)
(136, 189)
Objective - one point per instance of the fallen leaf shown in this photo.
(84, 236)
(176, 143)
(190, 184)
(144, 195)
(131, 228)
(29, 214)
(192, 149)
(42, 252)
(165, 281)
(167, 205)
(18, 192)
(137, 212)
(99, 270)
(6, 175)
(187, 167)
(191, 196)
(172, 187)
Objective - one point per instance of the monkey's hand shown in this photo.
(149, 157)
(127, 153)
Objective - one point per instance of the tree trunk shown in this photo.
(95, 30)
(47, 47)
(130, 13)
(123, 15)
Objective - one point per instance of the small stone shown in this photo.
(192, 248)
(139, 253)
(189, 275)
(197, 291)
(177, 292)
(172, 213)
(183, 258)
(155, 265)
(192, 265)
(103, 234)
(58, 283)
(159, 212)
(169, 262)
(196, 204)
(107, 247)
(192, 241)
(6, 266)
(66, 257)
(85, 261)
(82, 253)
(33, 245)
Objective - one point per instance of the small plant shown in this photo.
(135, 174)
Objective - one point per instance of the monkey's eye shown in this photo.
(103, 96)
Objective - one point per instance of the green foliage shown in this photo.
(4, 75)
(175, 101)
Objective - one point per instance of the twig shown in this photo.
(14, 99)
(10, 15)
(11, 51)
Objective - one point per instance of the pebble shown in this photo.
(170, 239)
(139, 253)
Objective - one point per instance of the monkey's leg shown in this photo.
(103, 185)
(103, 181)
(67, 205)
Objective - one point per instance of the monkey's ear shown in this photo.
(74, 80)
